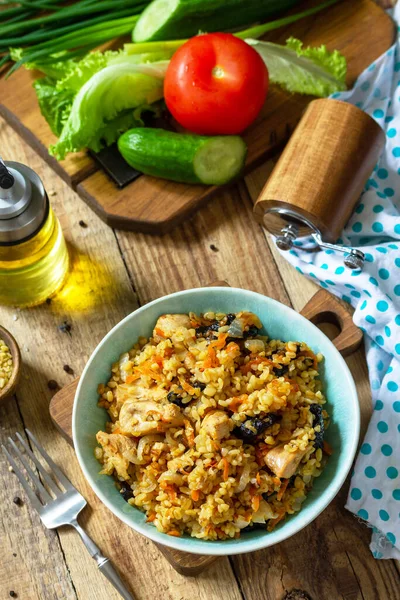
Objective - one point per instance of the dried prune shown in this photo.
(281, 370)
(175, 398)
(316, 410)
(199, 384)
(252, 428)
(254, 527)
(251, 332)
(229, 318)
(207, 330)
(126, 491)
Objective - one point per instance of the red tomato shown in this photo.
(216, 84)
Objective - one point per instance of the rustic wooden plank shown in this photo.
(153, 205)
(23, 114)
(32, 563)
(97, 294)
(243, 257)
(334, 548)
(222, 242)
(156, 206)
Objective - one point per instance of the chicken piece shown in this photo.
(282, 462)
(115, 443)
(142, 417)
(217, 425)
(167, 325)
(136, 391)
(119, 452)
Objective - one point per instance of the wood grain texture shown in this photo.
(325, 308)
(323, 169)
(222, 242)
(97, 294)
(19, 107)
(322, 307)
(156, 206)
(8, 390)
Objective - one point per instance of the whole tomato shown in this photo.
(216, 84)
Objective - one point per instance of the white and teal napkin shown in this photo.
(374, 292)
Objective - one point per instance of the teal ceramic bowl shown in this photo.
(279, 322)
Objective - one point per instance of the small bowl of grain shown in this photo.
(10, 364)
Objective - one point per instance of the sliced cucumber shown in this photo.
(177, 19)
(185, 158)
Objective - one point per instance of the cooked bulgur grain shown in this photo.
(6, 364)
(211, 430)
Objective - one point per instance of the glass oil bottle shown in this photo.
(33, 253)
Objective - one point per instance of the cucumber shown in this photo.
(177, 19)
(182, 157)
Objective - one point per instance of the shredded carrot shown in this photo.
(274, 522)
(187, 387)
(174, 533)
(117, 430)
(258, 478)
(132, 378)
(255, 502)
(220, 342)
(168, 352)
(158, 359)
(211, 360)
(226, 469)
(236, 402)
(151, 518)
(159, 332)
(327, 448)
(170, 489)
(195, 495)
(282, 489)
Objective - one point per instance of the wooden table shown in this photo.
(113, 273)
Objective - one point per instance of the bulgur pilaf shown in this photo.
(6, 364)
(214, 429)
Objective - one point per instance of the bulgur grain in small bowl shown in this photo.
(209, 487)
(10, 363)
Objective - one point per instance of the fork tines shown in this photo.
(45, 496)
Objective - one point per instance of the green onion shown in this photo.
(254, 32)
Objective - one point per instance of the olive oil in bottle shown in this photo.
(33, 253)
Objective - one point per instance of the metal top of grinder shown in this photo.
(23, 202)
(318, 180)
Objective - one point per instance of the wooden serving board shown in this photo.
(359, 29)
(322, 308)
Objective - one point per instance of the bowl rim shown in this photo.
(197, 546)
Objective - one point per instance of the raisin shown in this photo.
(199, 384)
(247, 434)
(175, 399)
(126, 491)
(254, 527)
(316, 410)
(230, 317)
(251, 332)
(281, 370)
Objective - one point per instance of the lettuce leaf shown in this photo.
(314, 71)
(127, 119)
(117, 87)
(55, 105)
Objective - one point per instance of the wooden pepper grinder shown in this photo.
(320, 175)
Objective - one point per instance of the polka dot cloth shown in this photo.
(374, 293)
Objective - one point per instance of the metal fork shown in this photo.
(64, 509)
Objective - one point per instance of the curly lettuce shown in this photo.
(313, 71)
(110, 91)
